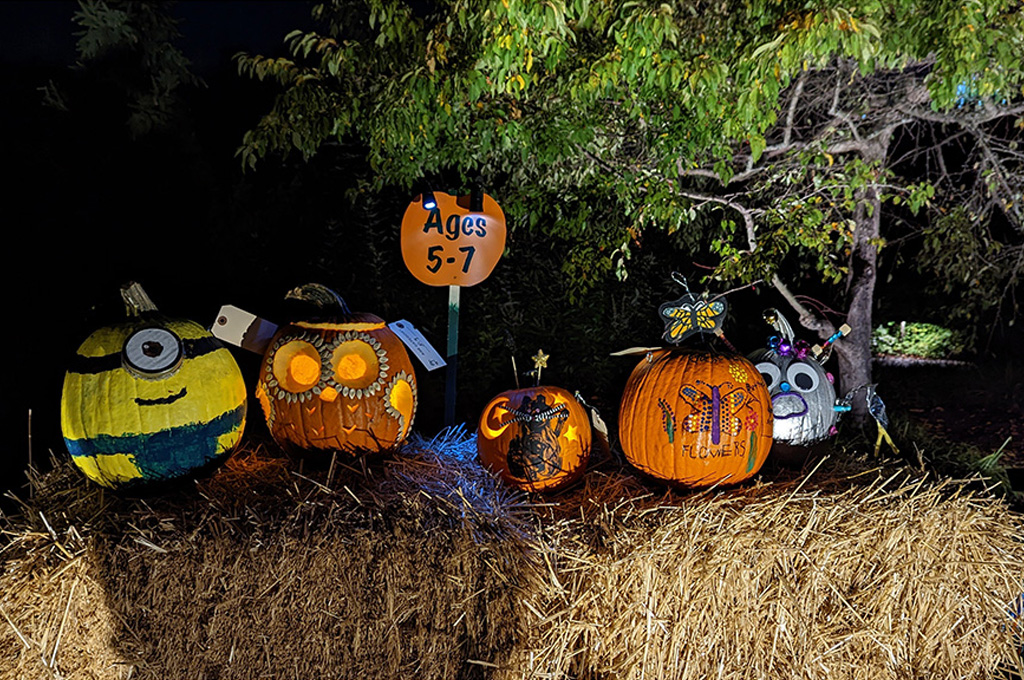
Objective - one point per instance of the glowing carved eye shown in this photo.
(802, 377)
(152, 351)
(770, 372)
(356, 364)
(297, 366)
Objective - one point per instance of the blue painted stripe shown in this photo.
(168, 453)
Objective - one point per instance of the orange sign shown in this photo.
(449, 245)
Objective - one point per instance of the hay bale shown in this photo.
(55, 619)
(424, 565)
(263, 570)
(893, 578)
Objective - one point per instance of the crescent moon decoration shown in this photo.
(487, 425)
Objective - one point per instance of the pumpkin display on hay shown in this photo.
(803, 397)
(535, 438)
(152, 399)
(337, 381)
(695, 417)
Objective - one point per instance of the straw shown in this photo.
(422, 564)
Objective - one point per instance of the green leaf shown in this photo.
(757, 146)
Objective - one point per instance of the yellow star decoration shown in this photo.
(570, 433)
(540, 360)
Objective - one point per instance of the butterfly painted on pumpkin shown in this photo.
(715, 410)
(689, 315)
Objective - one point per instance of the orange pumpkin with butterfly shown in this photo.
(695, 417)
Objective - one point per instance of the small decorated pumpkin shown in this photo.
(342, 381)
(150, 399)
(802, 392)
(535, 438)
(803, 397)
(695, 418)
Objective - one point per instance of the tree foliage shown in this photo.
(781, 130)
(131, 45)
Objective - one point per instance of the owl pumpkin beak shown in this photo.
(328, 394)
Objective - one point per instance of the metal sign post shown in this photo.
(453, 355)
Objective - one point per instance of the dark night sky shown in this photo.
(86, 211)
(42, 31)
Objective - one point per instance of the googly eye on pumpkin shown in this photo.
(802, 377)
(771, 373)
(152, 351)
(296, 366)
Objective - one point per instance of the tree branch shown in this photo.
(988, 115)
(794, 99)
(808, 320)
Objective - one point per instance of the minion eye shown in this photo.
(152, 351)
(802, 377)
(770, 372)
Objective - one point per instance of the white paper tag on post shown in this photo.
(417, 344)
(243, 329)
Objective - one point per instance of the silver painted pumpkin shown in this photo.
(802, 395)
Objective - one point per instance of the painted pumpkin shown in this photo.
(341, 382)
(802, 395)
(150, 399)
(536, 438)
(695, 418)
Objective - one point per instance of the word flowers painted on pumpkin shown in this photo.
(705, 452)
(720, 409)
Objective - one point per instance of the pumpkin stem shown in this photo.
(319, 295)
(136, 301)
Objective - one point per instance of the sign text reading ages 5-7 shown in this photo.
(449, 245)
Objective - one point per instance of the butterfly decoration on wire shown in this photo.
(689, 314)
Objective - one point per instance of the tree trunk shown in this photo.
(854, 351)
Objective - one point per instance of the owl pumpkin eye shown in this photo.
(770, 372)
(802, 377)
(356, 364)
(152, 351)
(297, 366)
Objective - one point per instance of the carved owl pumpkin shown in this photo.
(536, 438)
(695, 418)
(342, 381)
